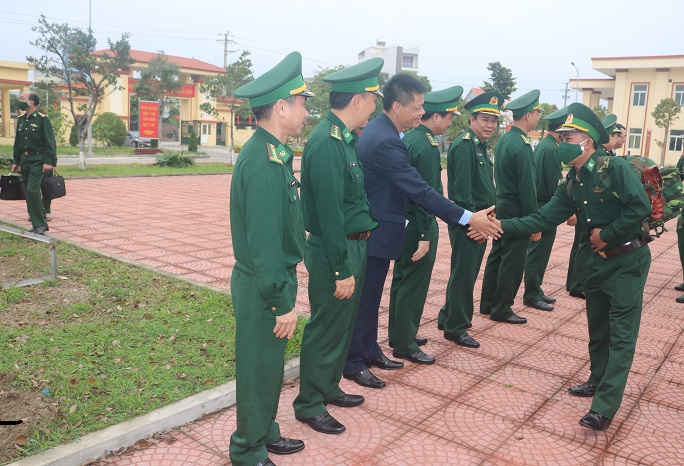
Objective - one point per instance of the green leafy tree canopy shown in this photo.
(109, 129)
(666, 112)
(67, 56)
(502, 80)
(223, 87)
(158, 82)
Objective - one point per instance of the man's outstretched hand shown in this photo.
(484, 224)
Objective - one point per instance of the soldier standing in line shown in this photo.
(412, 272)
(470, 184)
(267, 231)
(338, 219)
(515, 197)
(548, 173)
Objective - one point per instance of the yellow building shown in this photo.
(13, 77)
(633, 89)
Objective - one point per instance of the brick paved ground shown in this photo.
(504, 403)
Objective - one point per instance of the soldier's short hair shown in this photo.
(264, 112)
(33, 97)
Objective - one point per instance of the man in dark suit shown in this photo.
(390, 182)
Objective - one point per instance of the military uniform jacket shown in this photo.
(618, 210)
(266, 221)
(425, 155)
(333, 198)
(390, 181)
(514, 175)
(547, 168)
(34, 134)
(470, 173)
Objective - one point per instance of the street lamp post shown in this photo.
(577, 82)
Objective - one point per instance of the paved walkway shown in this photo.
(504, 403)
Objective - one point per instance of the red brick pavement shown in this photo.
(504, 403)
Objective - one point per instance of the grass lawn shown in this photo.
(110, 341)
(129, 169)
(71, 150)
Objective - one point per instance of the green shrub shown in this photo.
(174, 160)
(109, 129)
(73, 136)
(192, 144)
(6, 161)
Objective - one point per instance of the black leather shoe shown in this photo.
(595, 421)
(468, 325)
(548, 299)
(680, 299)
(384, 363)
(541, 305)
(323, 423)
(347, 401)
(440, 326)
(365, 378)
(485, 311)
(285, 446)
(679, 287)
(463, 340)
(585, 389)
(513, 319)
(578, 294)
(39, 230)
(418, 357)
(266, 462)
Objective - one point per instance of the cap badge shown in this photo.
(494, 101)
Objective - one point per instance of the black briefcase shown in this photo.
(12, 188)
(53, 186)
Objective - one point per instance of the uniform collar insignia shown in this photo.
(348, 136)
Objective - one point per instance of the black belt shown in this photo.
(31, 153)
(627, 247)
(359, 236)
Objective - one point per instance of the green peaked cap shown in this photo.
(558, 117)
(488, 102)
(525, 103)
(445, 100)
(581, 118)
(610, 123)
(362, 77)
(280, 82)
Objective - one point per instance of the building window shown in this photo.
(362, 55)
(634, 139)
(639, 97)
(407, 61)
(679, 94)
(676, 136)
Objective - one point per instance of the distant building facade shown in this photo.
(633, 89)
(397, 58)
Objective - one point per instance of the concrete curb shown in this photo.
(127, 433)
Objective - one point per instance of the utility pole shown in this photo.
(226, 40)
(565, 96)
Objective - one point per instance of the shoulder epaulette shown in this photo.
(433, 141)
(562, 181)
(273, 154)
(466, 137)
(42, 114)
(335, 132)
(525, 139)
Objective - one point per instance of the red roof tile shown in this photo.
(189, 63)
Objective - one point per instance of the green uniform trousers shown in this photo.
(577, 266)
(614, 289)
(259, 365)
(328, 333)
(680, 237)
(538, 256)
(32, 172)
(503, 275)
(466, 260)
(410, 283)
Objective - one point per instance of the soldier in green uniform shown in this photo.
(548, 172)
(338, 218)
(515, 197)
(412, 272)
(611, 204)
(268, 242)
(470, 184)
(610, 123)
(35, 152)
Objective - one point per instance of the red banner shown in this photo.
(149, 119)
(187, 91)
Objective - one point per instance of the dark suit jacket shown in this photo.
(390, 181)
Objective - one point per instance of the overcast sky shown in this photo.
(537, 39)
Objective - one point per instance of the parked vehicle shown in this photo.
(133, 139)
